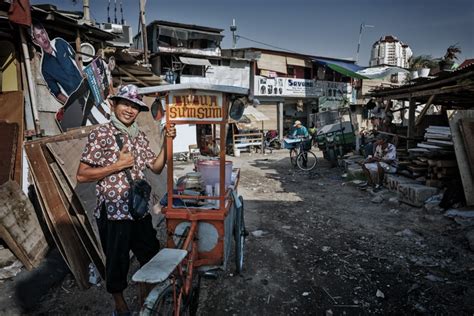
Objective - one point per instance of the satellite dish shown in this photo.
(88, 51)
(237, 109)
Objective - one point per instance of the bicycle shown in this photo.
(302, 157)
(175, 270)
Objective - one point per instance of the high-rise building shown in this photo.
(389, 50)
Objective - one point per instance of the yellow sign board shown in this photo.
(196, 107)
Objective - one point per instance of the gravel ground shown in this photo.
(317, 246)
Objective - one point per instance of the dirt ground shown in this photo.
(317, 246)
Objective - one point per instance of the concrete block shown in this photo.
(355, 171)
(415, 194)
(393, 181)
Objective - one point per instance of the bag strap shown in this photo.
(119, 141)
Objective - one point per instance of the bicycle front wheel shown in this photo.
(160, 301)
(306, 160)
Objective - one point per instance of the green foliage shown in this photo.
(422, 61)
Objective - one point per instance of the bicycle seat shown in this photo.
(160, 266)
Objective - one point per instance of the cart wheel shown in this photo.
(239, 237)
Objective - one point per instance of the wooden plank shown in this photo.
(19, 226)
(81, 225)
(75, 252)
(467, 131)
(467, 179)
(53, 233)
(411, 123)
(425, 109)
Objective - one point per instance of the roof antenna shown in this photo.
(108, 12)
(115, 11)
(233, 29)
(121, 11)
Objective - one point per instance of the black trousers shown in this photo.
(118, 238)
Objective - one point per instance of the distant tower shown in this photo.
(389, 50)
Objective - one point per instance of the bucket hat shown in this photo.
(130, 92)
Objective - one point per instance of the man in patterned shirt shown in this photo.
(104, 162)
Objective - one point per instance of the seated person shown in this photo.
(384, 160)
(299, 131)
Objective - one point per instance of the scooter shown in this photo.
(272, 141)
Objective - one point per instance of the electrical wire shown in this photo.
(262, 43)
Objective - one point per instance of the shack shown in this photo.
(439, 150)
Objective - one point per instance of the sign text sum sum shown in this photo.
(195, 107)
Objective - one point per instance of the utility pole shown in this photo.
(233, 29)
(143, 30)
(362, 26)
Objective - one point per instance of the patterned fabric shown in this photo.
(102, 150)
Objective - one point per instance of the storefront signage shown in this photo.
(291, 87)
(195, 107)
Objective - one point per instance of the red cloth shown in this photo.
(20, 12)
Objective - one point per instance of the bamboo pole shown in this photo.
(31, 81)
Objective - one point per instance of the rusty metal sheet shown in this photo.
(12, 110)
(8, 147)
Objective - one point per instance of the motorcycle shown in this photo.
(272, 141)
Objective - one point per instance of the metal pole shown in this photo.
(362, 26)
(85, 8)
(143, 29)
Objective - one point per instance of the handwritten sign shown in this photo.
(196, 107)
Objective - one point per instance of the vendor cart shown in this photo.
(201, 228)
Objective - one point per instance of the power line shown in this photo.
(262, 43)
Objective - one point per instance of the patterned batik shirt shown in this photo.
(102, 150)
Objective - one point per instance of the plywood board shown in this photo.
(467, 179)
(74, 250)
(12, 110)
(19, 226)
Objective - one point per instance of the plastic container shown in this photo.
(209, 170)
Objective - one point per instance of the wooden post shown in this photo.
(280, 119)
(78, 50)
(31, 82)
(411, 123)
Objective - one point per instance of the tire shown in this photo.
(239, 237)
(159, 301)
(277, 144)
(309, 157)
(293, 156)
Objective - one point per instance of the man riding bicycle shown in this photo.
(300, 131)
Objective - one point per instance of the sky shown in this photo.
(327, 28)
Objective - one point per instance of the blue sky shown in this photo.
(317, 27)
